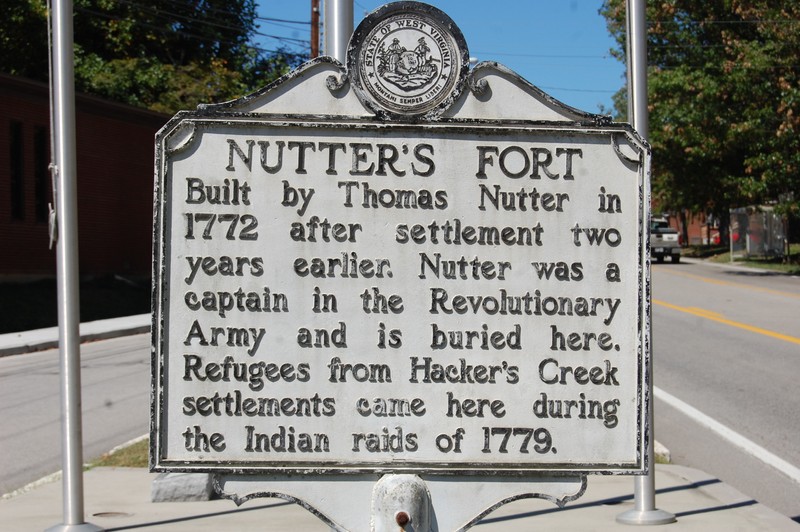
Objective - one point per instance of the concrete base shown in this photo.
(182, 487)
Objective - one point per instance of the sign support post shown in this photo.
(63, 86)
(644, 511)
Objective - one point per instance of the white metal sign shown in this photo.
(444, 288)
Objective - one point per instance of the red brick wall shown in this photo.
(115, 184)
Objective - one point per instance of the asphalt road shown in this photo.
(116, 390)
(727, 343)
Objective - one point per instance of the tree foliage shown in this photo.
(161, 54)
(23, 38)
(724, 101)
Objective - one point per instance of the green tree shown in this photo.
(23, 39)
(165, 55)
(724, 101)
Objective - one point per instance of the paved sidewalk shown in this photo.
(119, 499)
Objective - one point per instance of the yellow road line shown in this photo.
(714, 316)
(705, 313)
(670, 271)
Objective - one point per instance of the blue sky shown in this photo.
(561, 46)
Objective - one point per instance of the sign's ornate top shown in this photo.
(407, 63)
(408, 59)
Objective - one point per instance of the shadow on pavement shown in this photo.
(200, 516)
(622, 498)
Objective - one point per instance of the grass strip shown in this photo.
(134, 455)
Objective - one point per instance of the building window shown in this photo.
(41, 161)
(17, 155)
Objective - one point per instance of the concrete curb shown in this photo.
(36, 340)
(735, 267)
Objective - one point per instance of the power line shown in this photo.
(181, 33)
(268, 19)
(164, 13)
(605, 91)
(698, 22)
(543, 56)
(279, 25)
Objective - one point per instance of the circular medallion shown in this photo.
(408, 59)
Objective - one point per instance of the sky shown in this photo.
(561, 46)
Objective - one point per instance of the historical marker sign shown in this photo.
(412, 267)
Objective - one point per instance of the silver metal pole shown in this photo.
(63, 86)
(637, 67)
(644, 511)
(338, 28)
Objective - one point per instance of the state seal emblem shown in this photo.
(407, 59)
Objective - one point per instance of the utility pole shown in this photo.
(314, 28)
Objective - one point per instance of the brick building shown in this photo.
(115, 183)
